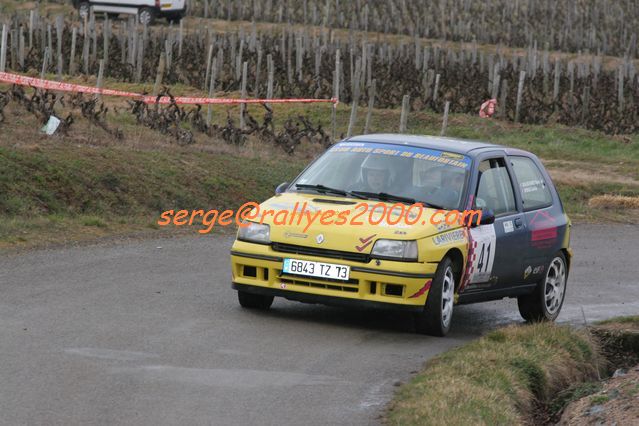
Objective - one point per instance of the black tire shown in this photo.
(535, 307)
(432, 320)
(254, 301)
(84, 9)
(146, 15)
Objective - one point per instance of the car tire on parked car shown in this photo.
(146, 16)
(436, 317)
(84, 9)
(544, 304)
(254, 301)
(174, 18)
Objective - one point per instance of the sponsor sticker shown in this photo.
(527, 271)
(449, 237)
(508, 226)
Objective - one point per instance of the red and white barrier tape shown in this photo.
(183, 100)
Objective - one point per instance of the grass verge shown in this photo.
(62, 193)
(502, 378)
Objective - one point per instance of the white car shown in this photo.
(145, 10)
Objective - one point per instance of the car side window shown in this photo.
(494, 188)
(532, 185)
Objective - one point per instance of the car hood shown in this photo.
(293, 213)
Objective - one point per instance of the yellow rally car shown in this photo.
(388, 231)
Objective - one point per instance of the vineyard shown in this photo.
(605, 26)
(363, 65)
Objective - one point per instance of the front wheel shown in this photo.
(254, 301)
(544, 304)
(436, 317)
(146, 16)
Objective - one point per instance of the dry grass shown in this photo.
(501, 378)
(609, 201)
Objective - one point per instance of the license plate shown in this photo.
(316, 269)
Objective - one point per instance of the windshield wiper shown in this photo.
(432, 206)
(325, 189)
(390, 197)
(385, 196)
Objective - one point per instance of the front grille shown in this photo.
(352, 281)
(313, 284)
(312, 251)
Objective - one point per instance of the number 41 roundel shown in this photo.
(482, 253)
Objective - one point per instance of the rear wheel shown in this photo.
(84, 9)
(254, 301)
(174, 18)
(146, 16)
(436, 317)
(545, 303)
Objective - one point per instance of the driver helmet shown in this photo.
(376, 172)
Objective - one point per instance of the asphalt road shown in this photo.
(150, 333)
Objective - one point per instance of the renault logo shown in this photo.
(319, 239)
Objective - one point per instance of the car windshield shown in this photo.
(393, 173)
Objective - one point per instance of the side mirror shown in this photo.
(487, 217)
(282, 187)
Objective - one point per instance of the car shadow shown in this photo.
(468, 320)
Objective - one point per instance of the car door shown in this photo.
(495, 250)
(546, 222)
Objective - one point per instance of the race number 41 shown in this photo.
(484, 254)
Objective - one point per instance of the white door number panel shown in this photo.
(316, 269)
(483, 255)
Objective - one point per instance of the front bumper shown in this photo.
(257, 268)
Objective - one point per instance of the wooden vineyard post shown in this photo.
(445, 121)
(32, 17)
(74, 38)
(271, 76)
(100, 77)
(520, 93)
(403, 119)
(209, 56)
(256, 89)
(21, 49)
(336, 78)
(355, 101)
(555, 88)
(436, 90)
(620, 97)
(243, 95)
(159, 75)
(59, 28)
(3, 49)
(502, 100)
(209, 113)
(371, 103)
(180, 38)
(85, 48)
(45, 62)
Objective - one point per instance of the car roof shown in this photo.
(459, 146)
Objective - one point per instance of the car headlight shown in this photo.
(255, 233)
(395, 249)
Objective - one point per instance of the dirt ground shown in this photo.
(616, 404)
